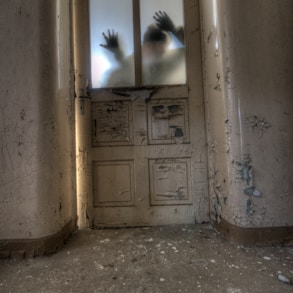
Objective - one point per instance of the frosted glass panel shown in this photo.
(162, 33)
(112, 64)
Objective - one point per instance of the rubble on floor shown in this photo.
(181, 258)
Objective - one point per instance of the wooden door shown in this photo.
(148, 154)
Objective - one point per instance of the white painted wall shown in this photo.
(37, 156)
(248, 76)
(248, 87)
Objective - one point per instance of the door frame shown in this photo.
(83, 108)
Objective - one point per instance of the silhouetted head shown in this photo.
(155, 42)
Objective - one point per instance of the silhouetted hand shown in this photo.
(112, 42)
(164, 22)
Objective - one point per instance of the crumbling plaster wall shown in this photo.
(247, 48)
(37, 155)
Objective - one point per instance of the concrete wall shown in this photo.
(37, 155)
(248, 61)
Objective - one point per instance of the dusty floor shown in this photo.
(159, 259)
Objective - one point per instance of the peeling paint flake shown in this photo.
(252, 191)
(246, 175)
(259, 123)
(250, 207)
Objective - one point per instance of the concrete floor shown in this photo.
(159, 259)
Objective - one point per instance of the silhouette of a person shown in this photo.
(160, 65)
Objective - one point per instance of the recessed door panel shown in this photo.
(170, 181)
(112, 123)
(113, 183)
(168, 121)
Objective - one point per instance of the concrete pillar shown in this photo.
(37, 154)
(247, 48)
